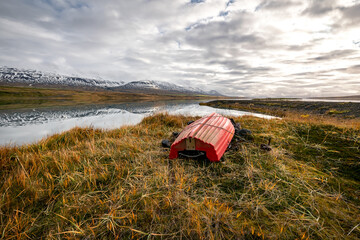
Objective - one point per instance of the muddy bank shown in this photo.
(280, 108)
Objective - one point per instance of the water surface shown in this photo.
(30, 125)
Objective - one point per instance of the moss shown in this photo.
(334, 111)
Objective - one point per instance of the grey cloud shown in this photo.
(319, 8)
(276, 5)
(229, 82)
(236, 82)
(229, 46)
(355, 69)
(298, 47)
(223, 35)
(350, 18)
(229, 63)
(352, 13)
(336, 54)
(197, 1)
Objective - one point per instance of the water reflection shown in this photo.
(27, 126)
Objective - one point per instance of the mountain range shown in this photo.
(20, 77)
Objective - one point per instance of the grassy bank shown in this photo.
(28, 97)
(95, 184)
(284, 108)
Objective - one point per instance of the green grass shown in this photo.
(334, 111)
(94, 184)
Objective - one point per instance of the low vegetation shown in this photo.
(30, 97)
(285, 108)
(93, 184)
(334, 111)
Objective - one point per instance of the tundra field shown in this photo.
(29, 97)
(117, 184)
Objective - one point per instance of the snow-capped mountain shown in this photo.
(14, 76)
(211, 92)
(151, 85)
(37, 78)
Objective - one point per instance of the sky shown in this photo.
(257, 48)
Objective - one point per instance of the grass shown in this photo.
(320, 112)
(334, 111)
(30, 97)
(120, 184)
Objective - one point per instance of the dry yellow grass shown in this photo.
(119, 184)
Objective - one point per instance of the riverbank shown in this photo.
(28, 97)
(89, 183)
(282, 108)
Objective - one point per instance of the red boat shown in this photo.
(209, 136)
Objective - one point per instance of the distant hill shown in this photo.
(19, 77)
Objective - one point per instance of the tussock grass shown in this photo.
(119, 184)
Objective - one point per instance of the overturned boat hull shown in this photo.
(209, 136)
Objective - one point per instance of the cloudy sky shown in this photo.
(239, 47)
